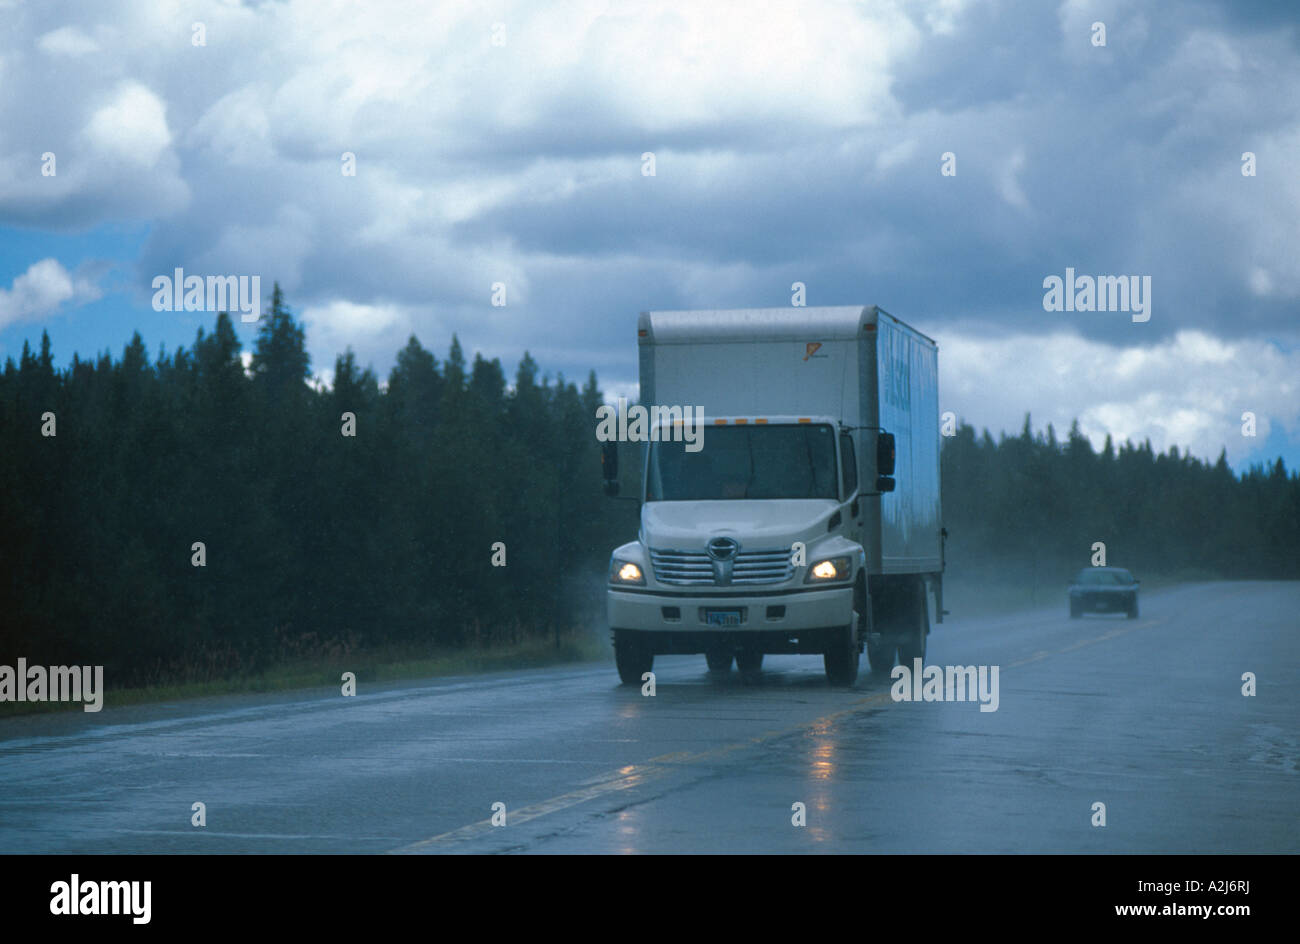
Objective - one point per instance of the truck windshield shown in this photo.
(739, 462)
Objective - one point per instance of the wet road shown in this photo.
(1146, 716)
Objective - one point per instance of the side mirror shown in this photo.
(885, 454)
(884, 483)
(609, 467)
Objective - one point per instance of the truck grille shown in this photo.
(695, 568)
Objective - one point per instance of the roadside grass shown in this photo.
(383, 664)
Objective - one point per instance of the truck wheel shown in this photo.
(841, 659)
(1076, 611)
(880, 655)
(719, 661)
(632, 659)
(1133, 609)
(913, 646)
(750, 665)
(881, 659)
(841, 656)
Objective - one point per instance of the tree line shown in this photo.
(313, 541)
(1034, 499)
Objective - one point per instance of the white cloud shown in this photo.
(40, 291)
(339, 324)
(1008, 184)
(322, 380)
(1188, 390)
(236, 129)
(895, 155)
(942, 17)
(67, 41)
(1261, 283)
(131, 126)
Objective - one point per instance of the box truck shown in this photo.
(789, 491)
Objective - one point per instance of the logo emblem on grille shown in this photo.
(722, 551)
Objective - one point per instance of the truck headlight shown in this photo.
(830, 569)
(625, 572)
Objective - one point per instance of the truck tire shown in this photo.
(913, 646)
(880, 655)
(841, 659)
(1133, 609)
(719, 662)
(750, 665)
(841, 656)
(881, 659)
(631, 658)
(1076, 611)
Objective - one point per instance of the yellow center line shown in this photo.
(634, 775)
(1036, 657)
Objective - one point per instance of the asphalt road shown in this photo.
(1146, 716)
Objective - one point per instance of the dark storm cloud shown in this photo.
(803, 145)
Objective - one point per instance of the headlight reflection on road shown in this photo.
(822, 760)
(821, 770)
(628, 833)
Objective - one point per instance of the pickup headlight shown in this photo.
(625, 572)
(829, 570)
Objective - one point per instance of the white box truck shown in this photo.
(806, 516)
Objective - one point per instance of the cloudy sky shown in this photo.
(802, 141)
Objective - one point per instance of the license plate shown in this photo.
(722, 617)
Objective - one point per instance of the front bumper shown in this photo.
(777, 612)
(1116, 602)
